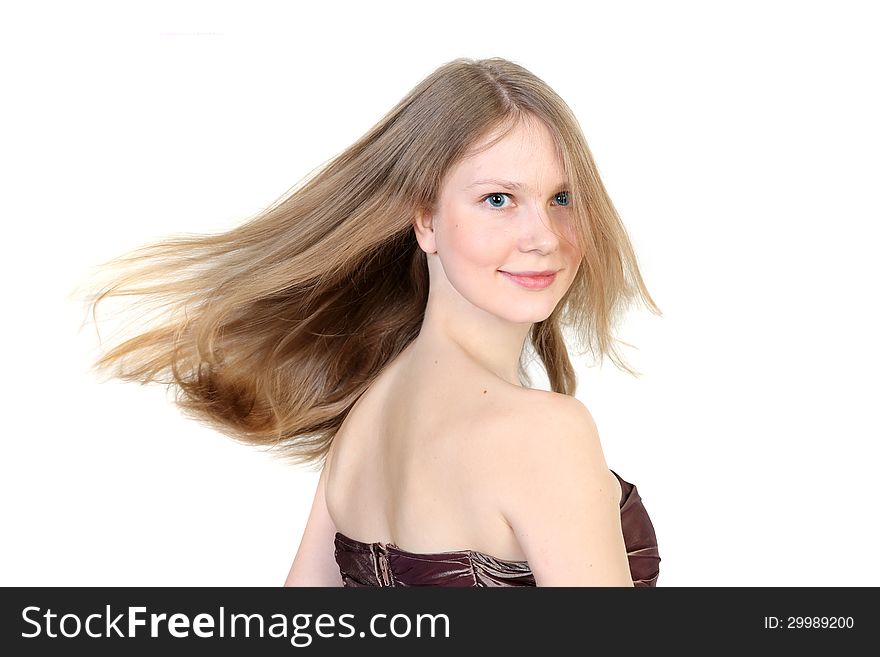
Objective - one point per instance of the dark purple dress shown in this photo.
(378, 564)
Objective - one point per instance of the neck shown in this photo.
(453, 326)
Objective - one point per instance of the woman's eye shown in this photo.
(564, 197)
(496, 198)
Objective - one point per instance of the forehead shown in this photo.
(526, 154)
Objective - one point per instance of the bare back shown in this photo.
(414, 461)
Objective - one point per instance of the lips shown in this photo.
(546, 272)
(532, 280)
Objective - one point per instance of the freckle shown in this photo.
(484, 392)
(435, 362)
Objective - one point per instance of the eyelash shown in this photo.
(483, 200)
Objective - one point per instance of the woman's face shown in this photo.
(506, 210)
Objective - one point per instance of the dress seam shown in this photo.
(473, 568)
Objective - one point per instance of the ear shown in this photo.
(423, 224)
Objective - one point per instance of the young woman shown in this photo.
(375, 321)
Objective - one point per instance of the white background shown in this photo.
(739, 142)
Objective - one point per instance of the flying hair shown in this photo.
(271, 331)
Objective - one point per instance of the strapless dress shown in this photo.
(380, 564)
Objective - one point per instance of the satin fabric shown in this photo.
(379, 564)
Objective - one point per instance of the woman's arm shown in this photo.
(315, 562)
(558, 497)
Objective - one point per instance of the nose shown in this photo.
(536, 230)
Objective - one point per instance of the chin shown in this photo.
(525, 315)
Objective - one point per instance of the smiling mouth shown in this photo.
(531, 280)
(546, 272)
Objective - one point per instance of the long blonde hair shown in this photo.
(271, 331)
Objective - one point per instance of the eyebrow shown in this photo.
(507, 183)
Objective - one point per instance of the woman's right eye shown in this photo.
(496, 197)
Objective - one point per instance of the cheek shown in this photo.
(470, 245)
(570, 246)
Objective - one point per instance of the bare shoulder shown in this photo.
(563, 409)
(535, 417)
(554, 490)
(549, 429)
